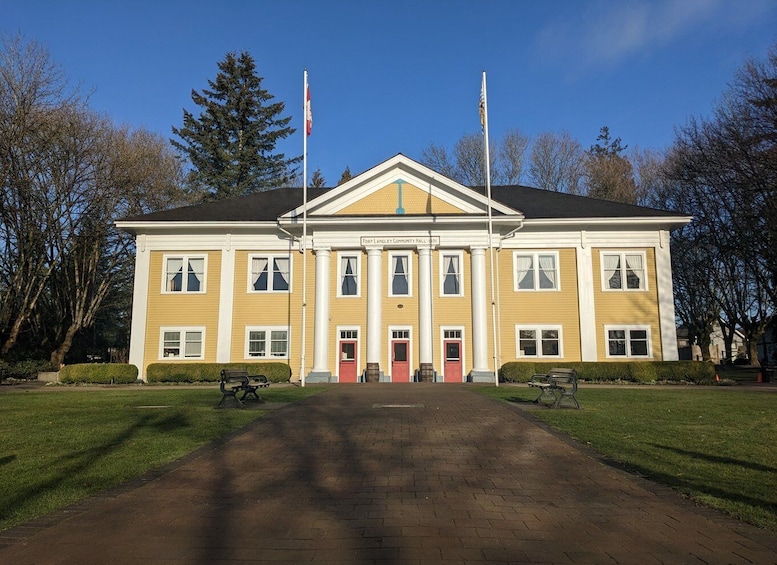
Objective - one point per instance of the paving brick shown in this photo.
(457, 478)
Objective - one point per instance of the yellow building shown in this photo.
(401, 274)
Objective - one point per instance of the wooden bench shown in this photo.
(556, 385)
(234, 381)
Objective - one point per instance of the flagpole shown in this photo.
(305, 131)
(484, 118)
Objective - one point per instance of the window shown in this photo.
(536, 271)
(267, 342)
(184, 273)
(182, 343)
(623, 271)
(269, 274)
(348, 274)
(450, 274)
(628, 341)
(399, 277)
(538, 341)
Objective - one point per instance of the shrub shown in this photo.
(23, 370)
(98, 373)
(696, 372)
(275, 372)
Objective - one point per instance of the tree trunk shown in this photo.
(58, 355)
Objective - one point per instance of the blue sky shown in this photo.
(390, 77)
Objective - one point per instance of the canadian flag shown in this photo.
(308, 113)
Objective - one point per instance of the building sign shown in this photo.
(400, 241)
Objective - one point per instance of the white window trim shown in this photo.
(606, 287)
(539, 328)
(267, 329)
(185, 257)
(340, 256)
(460, 255)
(409, 273)
(628, 328)
(461, 329)
(182, 342)
(340, 339)
(536, 262)
(389, 352)
(269, 257)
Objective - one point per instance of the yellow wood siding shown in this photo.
(347, 310)
(627, 308)
(182, 309)
(279, 309)
(540, 308)
(399, 311)
(384, 202)
(454, 310)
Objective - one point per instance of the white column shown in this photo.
(425, 305)
(479, 315)
(374, 304)
(585, 299)
(226, 303)
(320, 371)
(138, 328)
(666, 314)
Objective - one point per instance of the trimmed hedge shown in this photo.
(98, 373)
(275, 372)
(697, 372)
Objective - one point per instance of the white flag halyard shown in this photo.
(308, 113)
(483, 108)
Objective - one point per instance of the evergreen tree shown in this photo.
(345, 177)
(609, 174)
(231, 145)
(317, 180)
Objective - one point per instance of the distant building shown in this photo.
(397, 282)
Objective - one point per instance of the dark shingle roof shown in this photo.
(533, 202)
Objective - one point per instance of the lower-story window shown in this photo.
(267, 342)
(182, 343)
(538, 341)
(628, 341)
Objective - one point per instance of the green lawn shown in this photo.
(59, 446)
(716, 445)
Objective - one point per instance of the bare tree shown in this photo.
(467, 164)
(32, 90)
(511, 153)
(556, 163)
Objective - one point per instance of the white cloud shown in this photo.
(605, 33)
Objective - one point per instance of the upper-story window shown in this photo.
(399, 277)
(623, 271)
(451, 280)
(184, 273)
(270, 273)
(348, 275)
(536, 271)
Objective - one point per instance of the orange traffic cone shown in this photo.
(717, 378)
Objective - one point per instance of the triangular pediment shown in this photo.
(400, 187)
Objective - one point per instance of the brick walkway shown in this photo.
(377, 473)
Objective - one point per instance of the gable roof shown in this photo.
(521, 203)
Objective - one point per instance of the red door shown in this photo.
(452, 368)
(347, 370)
(400, 362)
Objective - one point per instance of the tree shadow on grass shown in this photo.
(717, 458)
(77, 463)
